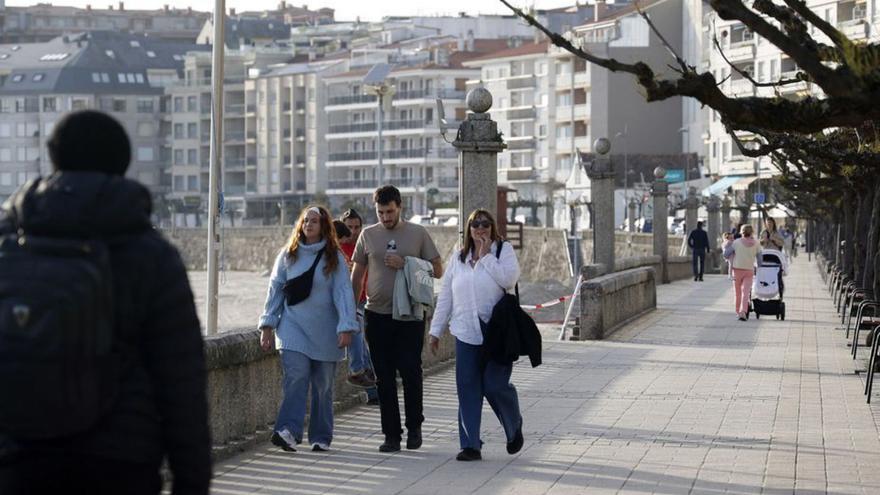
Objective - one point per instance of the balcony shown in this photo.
(285, 107)
(350, 100)
(234, 110)
(234, 136)
(414, 153)
(742, 51)
(429, 94)
(520, 174)
(251, 135)
(742, 87)
(521, 82)
(251, 108)
(300, 107)
(251, 161)
(234, 163)
(393, 125)
(351, 183)
(447, 182)
(854, 29)
(521, 112)
(237, 190)
(581, 112)
(581, 79)
(520, 142)
(300, 134)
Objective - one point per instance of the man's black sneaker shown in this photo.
(414, 439)
(469, 454)
(279, 441)
(390, 445)
(516, 444)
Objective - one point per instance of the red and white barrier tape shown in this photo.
(547, 304)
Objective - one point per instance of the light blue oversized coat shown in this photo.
(310, 327)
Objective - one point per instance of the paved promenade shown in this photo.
(685, 400)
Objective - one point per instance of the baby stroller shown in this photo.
(768, 288)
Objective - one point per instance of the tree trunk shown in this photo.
(864, 201)
(847, 236)
(872, 240)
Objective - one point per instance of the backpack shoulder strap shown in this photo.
(498, 251)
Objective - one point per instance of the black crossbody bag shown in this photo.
(297, 289)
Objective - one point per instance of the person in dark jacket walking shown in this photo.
(698, 241)
(475, 280)
(160, 410)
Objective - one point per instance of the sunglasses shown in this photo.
(485, 224)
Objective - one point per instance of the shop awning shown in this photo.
(743, 183)
(719, 187)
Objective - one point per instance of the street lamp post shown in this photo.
(625, 171)
(376, 84)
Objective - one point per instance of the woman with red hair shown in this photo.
(309, 317)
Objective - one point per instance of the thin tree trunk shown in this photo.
(871, 240)
(847, 235)
(861, 226)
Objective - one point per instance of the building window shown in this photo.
(178, 131)
(145, 129)
(192, 104)
(178, 183)
(178, 103)
(145, 106)
(192, 183)
(5, 178)
(178, 157)
(192, 157)
(5, 130)
(145, 154)
(192, 131)
(5, 156)
(78, 104)
(50, 104)
(37, 77)
(118, 105)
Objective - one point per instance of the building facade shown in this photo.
(122, 74)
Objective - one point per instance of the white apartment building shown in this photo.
(415, 158)
(265, 146)
(550, 105)
(858, 19)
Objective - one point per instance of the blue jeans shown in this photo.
(359, 357)
(299, 371)
(475, 379)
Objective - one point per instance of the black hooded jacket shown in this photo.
(162, 408)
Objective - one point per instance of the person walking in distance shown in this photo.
(698, 241)
(395, 346)
(361, 372)
(130, 308)
(476, 278)
(742, 254)
(309, 316)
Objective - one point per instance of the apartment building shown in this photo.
(189, 122)
(122, 74)
(43, 22)
(858, 19)
(550, 105)
(415, 157)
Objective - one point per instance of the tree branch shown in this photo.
(836, 36)
(746, 75)
(685, 68)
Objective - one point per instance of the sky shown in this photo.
(346, 10)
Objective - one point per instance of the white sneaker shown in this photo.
(284, 439)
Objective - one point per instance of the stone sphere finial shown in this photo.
(602, 146)
(659, 173)
(479, 100)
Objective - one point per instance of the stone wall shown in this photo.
(611, 300)
(544, 255)
(244, 388)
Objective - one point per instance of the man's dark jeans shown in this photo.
(396, 346)
(698, 271)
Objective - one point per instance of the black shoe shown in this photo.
(373, 402)
(516, 444)
(414, 438)
(390, 445)
(469, 454)
(278, 441)
(701, 279)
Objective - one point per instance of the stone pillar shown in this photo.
(691, 205)
(713, 208)
(602, 196)
(725, 214)
(660, 193)
(478, 143)
(632, 215)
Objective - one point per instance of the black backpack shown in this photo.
(59, 373)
